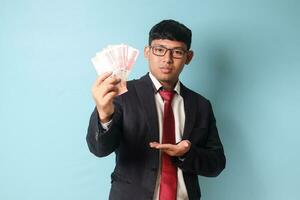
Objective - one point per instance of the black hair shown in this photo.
(171, 30)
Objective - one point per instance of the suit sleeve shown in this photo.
(206, 156)
(102, 142)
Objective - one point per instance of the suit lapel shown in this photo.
(145, 92)
(190, 111)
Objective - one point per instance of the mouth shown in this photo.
(166, 70)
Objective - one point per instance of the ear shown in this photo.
(189, 57)
(147, 52)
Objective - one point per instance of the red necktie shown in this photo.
(168, 181)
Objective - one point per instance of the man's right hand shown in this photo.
(104, 90)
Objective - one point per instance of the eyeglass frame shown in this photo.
(167, 49)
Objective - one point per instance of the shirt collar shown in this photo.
(157, 84)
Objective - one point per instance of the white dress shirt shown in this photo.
(179, 117)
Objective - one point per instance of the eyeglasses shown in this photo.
(161, 51)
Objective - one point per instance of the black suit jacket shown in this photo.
(135, 124)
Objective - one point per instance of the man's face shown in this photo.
(167, 68)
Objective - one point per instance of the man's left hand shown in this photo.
(178, 149)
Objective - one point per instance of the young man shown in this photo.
(163, 134)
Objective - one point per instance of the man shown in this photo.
(163, 134)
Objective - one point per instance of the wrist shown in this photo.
(104, 117)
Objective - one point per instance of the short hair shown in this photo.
(171, 30)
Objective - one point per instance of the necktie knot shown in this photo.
(166, 95)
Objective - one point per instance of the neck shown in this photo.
(168, 86)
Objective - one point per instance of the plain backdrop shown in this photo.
(247, 62)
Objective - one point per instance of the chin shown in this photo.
(166, 79)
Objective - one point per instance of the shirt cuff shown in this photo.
(106, 125)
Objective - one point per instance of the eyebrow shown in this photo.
(160, 45)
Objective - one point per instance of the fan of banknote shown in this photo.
(118, 59)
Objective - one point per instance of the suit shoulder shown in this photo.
(131, 85)
(132, 82)
(195, 95)
(143, 81)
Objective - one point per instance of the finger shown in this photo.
(112, 80)
(158, 145)
(153, 144)
(109, 96)
(185, 143)
(108, 88)
(101, 78)
(165, 146)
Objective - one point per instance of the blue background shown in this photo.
(246, 62)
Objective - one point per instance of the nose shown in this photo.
(168, 58)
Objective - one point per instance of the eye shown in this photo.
(178, 52)
(159, 49)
